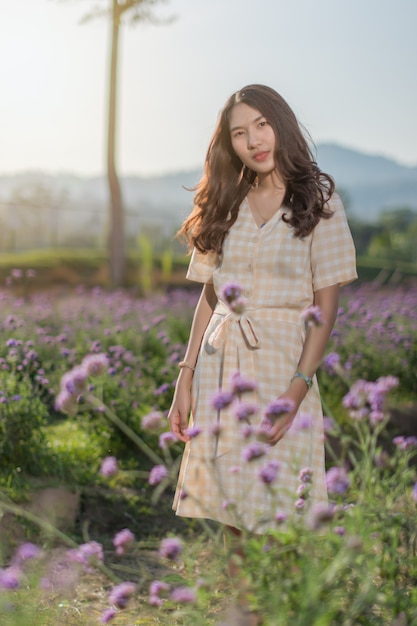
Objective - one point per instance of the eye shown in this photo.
(237, 133)
(263, 123)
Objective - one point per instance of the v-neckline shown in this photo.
(265, 225)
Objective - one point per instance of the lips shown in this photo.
(261, 156)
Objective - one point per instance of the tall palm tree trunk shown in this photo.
(116, 240)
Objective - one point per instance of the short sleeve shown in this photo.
(333, 257)
(202, 266)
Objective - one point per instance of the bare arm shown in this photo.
(314, 347)
(180, 408)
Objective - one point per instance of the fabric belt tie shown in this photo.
(219, 334)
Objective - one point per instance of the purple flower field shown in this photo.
(85, 384)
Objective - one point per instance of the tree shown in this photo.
(116, 10)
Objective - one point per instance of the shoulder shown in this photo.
(335, 204)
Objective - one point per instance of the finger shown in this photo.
(278, 432)
(177, 428)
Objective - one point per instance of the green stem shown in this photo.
(126, 429)
(50, 528)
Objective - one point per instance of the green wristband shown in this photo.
(308, 381)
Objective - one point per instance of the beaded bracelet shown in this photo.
(182, 364)
(308, 381)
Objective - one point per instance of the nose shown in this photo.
(252, 139)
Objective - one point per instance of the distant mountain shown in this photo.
(369, 182)
(372, 182)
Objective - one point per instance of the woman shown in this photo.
(266, 218)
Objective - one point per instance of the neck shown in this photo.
(271, 183)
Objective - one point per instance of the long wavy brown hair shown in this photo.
(226, 181)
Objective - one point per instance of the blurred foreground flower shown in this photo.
(156, 588)
(367, 399)
(240, 384)
(337, 480)
(95, 364)
(269, 472)
(123, 540)
(231, 293)
(253, 451)
(170, 548)
(184, 595)
(157, 474)
(121, 594)
(153, 421)
(88, 554)
(312, 316)
(109, 466)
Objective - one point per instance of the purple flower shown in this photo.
(337, 480)
(240, 384)
(121, 594)
(74, 381)
(95, 364)
(303, 490)
(306, 475)
(269, 472)
(247, 431)
(303, 421)
(300, 504)
(27, 551)
(280, 517)
(367, 399)
(184, 595)
(123, 540)
(162, 389)
(414, 492)
(339, 530)
(157, 474)
(107, 616)
(328, 424)
(193, 431)
(156, 588)
(320, 514)
(222, 399)
(88, 554)
(65, 401)
(245, 410)
(331, 362)
(405, 442)
(279, 407)
(10, 577)
(166, 439)
(215, 429)
(231, 293)
(170, 548)
(16, 273)
(109, 466)
(153, 421)
(253, 451)
(312, 316)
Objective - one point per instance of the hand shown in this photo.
(272, 433)
(179, 412)
(279, 428)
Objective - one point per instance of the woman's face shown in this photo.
(253, 138)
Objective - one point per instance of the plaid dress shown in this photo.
(279, 274)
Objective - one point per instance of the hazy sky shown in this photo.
(347, 67)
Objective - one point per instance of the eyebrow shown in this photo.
(255, 120)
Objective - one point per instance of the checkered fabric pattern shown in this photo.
(279, 274)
